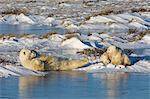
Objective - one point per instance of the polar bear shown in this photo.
(32, 60)
(105, 58)
(115, 56)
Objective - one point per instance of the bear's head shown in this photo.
(27, 54)
(113, 50)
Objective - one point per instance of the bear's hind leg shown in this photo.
(72, 64)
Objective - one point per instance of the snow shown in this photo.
(141, 66)
(101, 19)
(56, 38)
(114, 28)
(95, 37)
(146, 38)
(56, 42)
(94, 66)
(50, 21)
(70, 24)
(118, 26)
(137, 25)
(119, 19)
(74, 43)
(18, 71)
(17, 19)
(118, 22)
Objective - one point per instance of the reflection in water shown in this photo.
(31, 84)
(77, 85)
(112, 82)
(34, 29)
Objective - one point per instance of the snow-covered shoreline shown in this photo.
(64, 47)
(109, 23)
(91, 24)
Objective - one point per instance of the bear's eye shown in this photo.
(24, 53)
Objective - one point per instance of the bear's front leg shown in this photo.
(37, 65)
(126, 60)
(105, 58)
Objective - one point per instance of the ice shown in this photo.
(118, 26)
(141, 66)
(101, 19)
(50, 21)
(119, 19)
(95, 37)
(74, 43)
(142, 63)
(17, 19)
(118, 22)
(138, 25)
(146, 38)
(56, 38)
(18, 71)
(97, 31)
(6, 73)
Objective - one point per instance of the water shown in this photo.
(43, 29)
(72, 85)
(25, 28)
(77, 85)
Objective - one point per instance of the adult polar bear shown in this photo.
(115, 56)
(32, 60)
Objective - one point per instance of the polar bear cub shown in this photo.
(115, 56)
(32, 60)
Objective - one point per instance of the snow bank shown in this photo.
(100, 19)
(74, 43)
(117, 23)
(114, 26)
(17, 19)
(112, 23)
(146, 38)
(50, 22)
(31, 19)
(6, 71)
(56, 37)
(141, 66)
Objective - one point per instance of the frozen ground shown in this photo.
(97, 24)
(58, 45)
(72, 9)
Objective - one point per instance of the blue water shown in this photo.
(29, 29)
(43, 29)
(77, 85)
